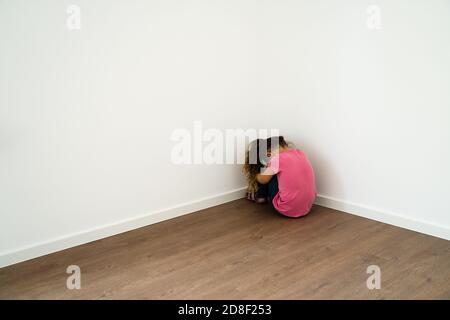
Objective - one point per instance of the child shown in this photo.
(287, 181)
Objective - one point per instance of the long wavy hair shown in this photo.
(256, 158)
(253, 164)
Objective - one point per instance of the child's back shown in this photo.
(296, 183)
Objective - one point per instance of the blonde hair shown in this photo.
(253, 163)
(250, 168)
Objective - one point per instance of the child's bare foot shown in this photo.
(260, 200)
(250, 196)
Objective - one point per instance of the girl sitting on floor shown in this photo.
(281, 175)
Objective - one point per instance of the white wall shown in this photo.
(371, 108)
(86, 116)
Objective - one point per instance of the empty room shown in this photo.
(238, 150)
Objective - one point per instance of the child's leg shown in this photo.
(263, 191)
(272, 188)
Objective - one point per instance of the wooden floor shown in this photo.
(241, 250)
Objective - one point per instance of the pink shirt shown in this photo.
(296, 183)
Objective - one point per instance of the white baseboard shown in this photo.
(75, 239)
(391, 218)
(79, 238)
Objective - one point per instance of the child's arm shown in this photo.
(265, 176)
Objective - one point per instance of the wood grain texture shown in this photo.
(241, 250)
